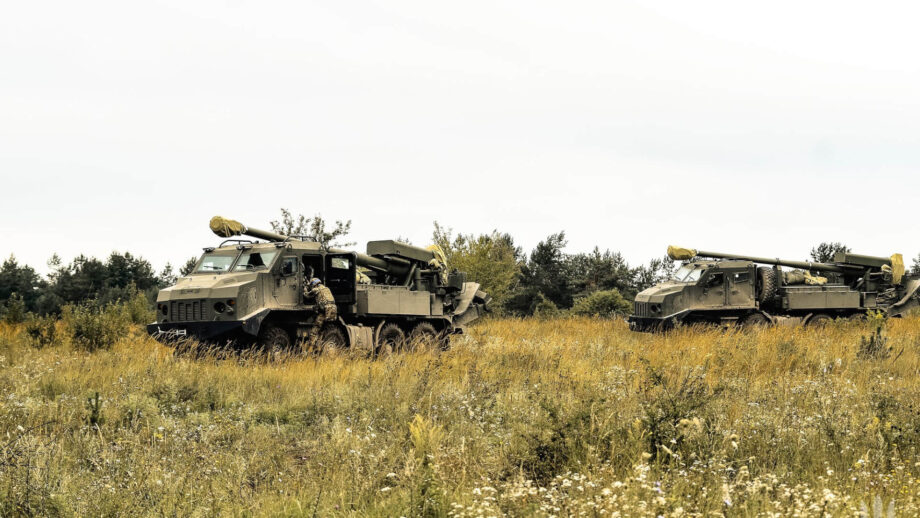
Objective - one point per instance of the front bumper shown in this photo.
(655, 324)
(168, 332)
(649, 324)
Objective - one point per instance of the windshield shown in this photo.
(253, 260)
(215, 262)
(688, 273)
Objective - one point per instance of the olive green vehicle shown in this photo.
(719, 288)
(251, 293)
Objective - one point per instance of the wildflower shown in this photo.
(391, 475)
(385, 489)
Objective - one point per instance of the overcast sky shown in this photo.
(761, 128)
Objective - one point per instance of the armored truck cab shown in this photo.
(725, 288)
(252, 292)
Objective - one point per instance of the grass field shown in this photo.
(568, 417)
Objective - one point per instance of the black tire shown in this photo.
(274, 339)
(424, 337)
(332, 339)
(819, 320)
(755, 320)
(391, 339)
(767, 283)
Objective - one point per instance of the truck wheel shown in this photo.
(272, 336)
(333, 339)
(423, 337)
(755, 320)
(768, 284)
(392, 338)
(818, 320)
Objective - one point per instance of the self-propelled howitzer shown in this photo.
(717, 287)
(248, 292)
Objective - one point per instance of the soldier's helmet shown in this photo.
(315, 282)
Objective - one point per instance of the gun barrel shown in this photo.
(265, 234)
(805, 265)
(394, 266)
(224, 227)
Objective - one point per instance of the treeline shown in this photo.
(121, 277)
(545, 281)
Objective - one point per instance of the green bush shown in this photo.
(602, 303)
(94, 328)
(544, 308)
(42, 331)
(14, 310)
(138, 309)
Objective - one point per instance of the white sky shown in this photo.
(761, 128)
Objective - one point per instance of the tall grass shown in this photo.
(521, 417)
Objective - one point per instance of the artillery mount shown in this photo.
(724, 288)
(251, 292)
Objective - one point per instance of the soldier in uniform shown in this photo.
(324, 303)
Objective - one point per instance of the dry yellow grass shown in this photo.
(521, 417)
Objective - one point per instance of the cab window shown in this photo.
(289, 266)
(253, 260)
(741, 277)
(215, 262)
(715, 280)
(340, 263)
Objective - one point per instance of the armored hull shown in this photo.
(252, 293)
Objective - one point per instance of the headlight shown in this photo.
(163, 308)
(219, 307)
(655, 308)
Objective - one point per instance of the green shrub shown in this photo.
(544, 308)
(602, 303)
(42, 331)
(138, 308)
(14, 309)
(94, 328)
(875, 345)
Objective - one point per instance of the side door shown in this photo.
(288, 281)
(340, 272)
(713, 286)
(740, 288)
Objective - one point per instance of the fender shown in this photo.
(253, 323)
